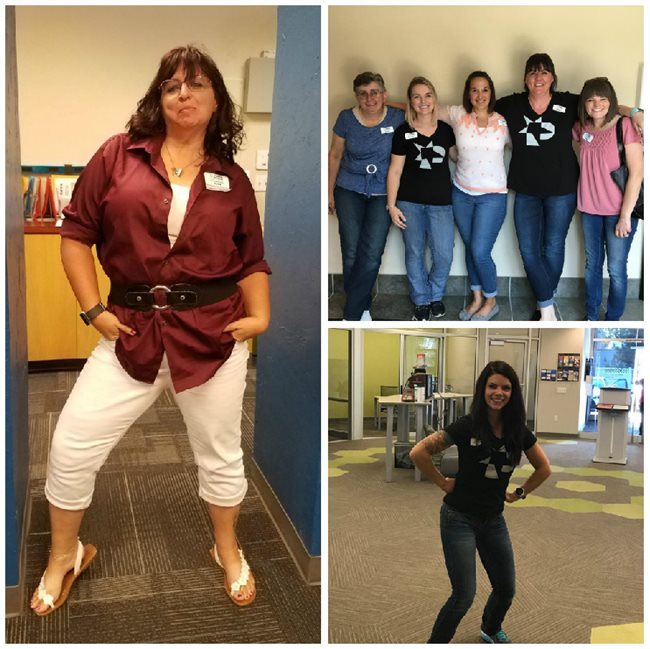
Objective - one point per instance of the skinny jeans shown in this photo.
(105, 401)
(542, 224)
(601, 239)
(479, 219)
(462, 535)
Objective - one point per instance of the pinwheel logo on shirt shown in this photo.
(537, 130)
(496, 463)
(426, 155)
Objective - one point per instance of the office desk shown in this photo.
(394, 403)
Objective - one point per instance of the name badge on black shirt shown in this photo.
(410, 136)
(559, 109)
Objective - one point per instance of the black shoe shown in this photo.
(421, 312)
(437, 309)
(537, 315)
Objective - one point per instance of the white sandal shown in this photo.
(85, 554)
(240, 582)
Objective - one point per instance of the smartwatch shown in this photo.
(91, 314)
(520, 493)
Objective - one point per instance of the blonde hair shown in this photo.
(410, 113)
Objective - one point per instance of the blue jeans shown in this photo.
(363, 229)
(479, 219)
(431, 225)
(600, 239)
(462, 535)
(542, 225)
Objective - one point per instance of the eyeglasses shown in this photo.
(370, 94)
(173, 87)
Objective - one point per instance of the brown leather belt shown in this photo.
(179, 297)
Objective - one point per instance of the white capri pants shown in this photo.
(105, 401)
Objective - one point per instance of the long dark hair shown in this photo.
(224, 134)
(513, 415)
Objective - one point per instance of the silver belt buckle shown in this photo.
(371, 168)
(160, 287)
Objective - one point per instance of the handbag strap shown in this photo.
(619, 141)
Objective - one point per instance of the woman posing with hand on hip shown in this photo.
(177, 232)
(357, 166)
(490, 442)
(607, 221)
(479, 192)
(419, 197)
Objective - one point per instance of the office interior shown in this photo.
(578, 539)
(460, 46)
(74, 77)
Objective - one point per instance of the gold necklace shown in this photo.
(178, 171)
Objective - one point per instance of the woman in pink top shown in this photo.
(607, 220)
(479, 191)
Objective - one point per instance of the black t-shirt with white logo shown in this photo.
(483, 471)
(425, 177)
(543, 160)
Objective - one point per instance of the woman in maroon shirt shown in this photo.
(177, 231)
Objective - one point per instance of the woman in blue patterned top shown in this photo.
(357, 167)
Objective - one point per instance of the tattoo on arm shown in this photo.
(437, 442)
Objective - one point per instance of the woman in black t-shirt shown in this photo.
(544, 173)
(419, 197)
(490, 442)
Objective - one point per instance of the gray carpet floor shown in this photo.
(578, 544)
(153, 580)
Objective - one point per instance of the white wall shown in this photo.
(559, 402)
(445, 43)
(82, 70)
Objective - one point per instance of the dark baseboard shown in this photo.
(15, 595)
(308, 565)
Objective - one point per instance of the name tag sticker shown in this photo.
(387, 129)
(474, 441)
(410, 136)
(587, 137)
(502, 122)
(216, 182)
(559, 109)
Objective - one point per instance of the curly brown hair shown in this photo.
(224, 134)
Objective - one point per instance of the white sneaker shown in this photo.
(366, 316)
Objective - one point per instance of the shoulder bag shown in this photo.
(619, 176)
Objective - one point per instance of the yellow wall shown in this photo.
(381, 366)
(338, 370)
(446, 43)
(82, 70)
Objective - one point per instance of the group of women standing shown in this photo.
(386, 167)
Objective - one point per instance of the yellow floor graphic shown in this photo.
(579, 485)
(363, 456)
(634, 478)
(618, 634)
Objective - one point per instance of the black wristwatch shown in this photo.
(520, 493)
(91, 314)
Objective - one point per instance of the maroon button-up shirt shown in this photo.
(120, 204)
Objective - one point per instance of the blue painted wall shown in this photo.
(287, 427)
(16, 426)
